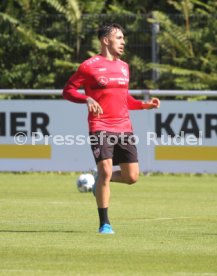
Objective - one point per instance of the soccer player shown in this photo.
(105, 80)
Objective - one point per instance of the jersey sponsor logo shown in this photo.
(120, 80)
(102, 69)
(102, 81)
(124, 71)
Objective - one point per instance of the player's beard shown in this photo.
(119, 54)
(116, 52)
(121, 51)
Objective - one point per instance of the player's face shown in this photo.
(116, 42)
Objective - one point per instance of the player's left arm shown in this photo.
(152, 103)
(134, 104)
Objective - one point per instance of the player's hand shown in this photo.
(153, 103)
(94, 107)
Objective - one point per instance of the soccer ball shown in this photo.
(85, 182)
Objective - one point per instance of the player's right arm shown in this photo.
(70, 91)
(94, 107)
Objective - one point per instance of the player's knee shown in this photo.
(132, 178)
(105, 174)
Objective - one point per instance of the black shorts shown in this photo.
(120, 147)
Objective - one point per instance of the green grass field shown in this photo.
(165, 225)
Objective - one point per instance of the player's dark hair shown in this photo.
(107, 29)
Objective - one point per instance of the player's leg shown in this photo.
(125, 155)
(128, 174)
(103, 194)
(104, 169)
(103, 153)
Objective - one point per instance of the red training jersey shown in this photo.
(107, 83)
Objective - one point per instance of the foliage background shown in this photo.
(42, 42)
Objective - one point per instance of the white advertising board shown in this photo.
(181, 136)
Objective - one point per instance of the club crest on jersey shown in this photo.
(124, 71)
(102, 81)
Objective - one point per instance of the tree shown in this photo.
(28, 57)
(42, 42)
(187, 42)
